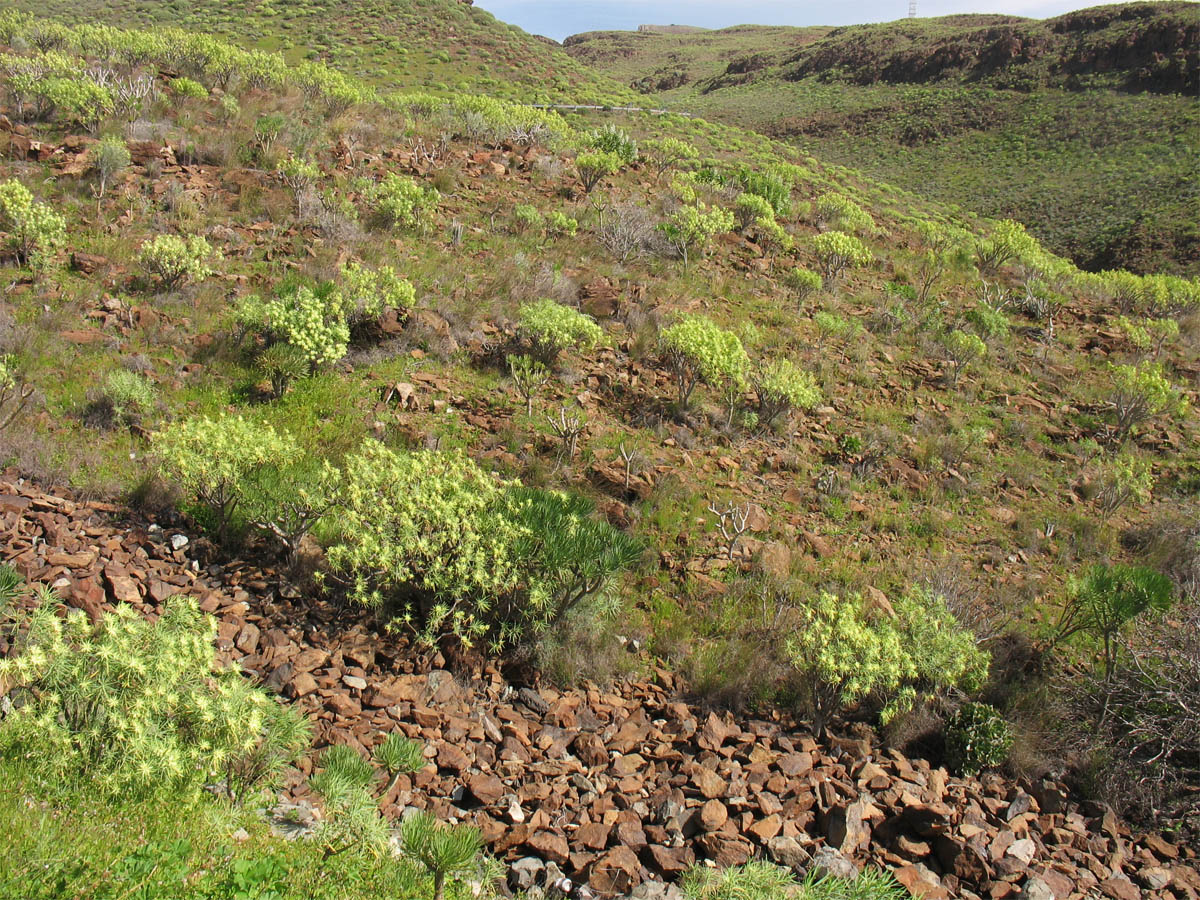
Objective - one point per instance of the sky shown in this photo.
(560, 18)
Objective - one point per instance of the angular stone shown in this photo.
(708, 783)
(672, 861)
(302, 685)
(590, 749)
(712, 815)
(487, 789)
(550, 845)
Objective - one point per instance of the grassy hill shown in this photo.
(1081, 126)
(439, 45)
(722, 383)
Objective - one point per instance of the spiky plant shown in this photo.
(282, 363)
(442, 849)
(399, 755)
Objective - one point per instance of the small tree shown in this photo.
(961, 348)
(442, 849)
(782, 386)
(977, 737)
(528, 376)
(1106, 600)
(839, 211)
(691, 228)
(697, 349)
(733, 520)
(595, 167)
(549, 328)
(749, 208)
(288, 497)
(670, 153)
(1125, 478)
(402, 202)
(282, 363)
(398, 755)
(1007, 243)
(366, 294)
(108, 158)
(15, 393)
(300, 175)
(214, 460)
(611, 139)
(803, 283)
(312, 321)
(32, 229)
(1138, 394)
(175, 261)
(837, 251)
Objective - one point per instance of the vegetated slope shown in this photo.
(439, 45)
(947, 419)
(1082, 126)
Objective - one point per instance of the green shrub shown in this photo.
(311, 320)
(837, 251)
(989, 323)
(782, 386)
(561, 225)
(300, 175)
(526, 218)
(802, 283)
(595, 167)
(754, 880)
(528, 375)
(212, 461)
(73, 100)
(977, 738)
(15, 392)
(136, 707)
(1008, 242)
(282, 364)
(611, 139)
(108, 158)
(749, 208)
(549, 328)
(1138, 394)
(402, 202)
(961, 348)
(368, 293)
(187, 89)
(692, 227)
(445, 850)
(773, 237)
(174, 260)
(845, 652)
(32, 229)
(697, 349)
(771, 186)
(670, 153)
(840, 212)
(129, 395)
(1123, 478)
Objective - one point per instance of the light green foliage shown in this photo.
(961, 348)
(282, 363)
(267, 129)
(837, 251)
(312, 321)
(1106, 600)
(108, 158)
(15, 393)
(772, 185)
(528, 374)
(73, 100)
(1126, 477)
(773, 237)
(300, 175)
(782, 386)
(187, 89)
(943, 250)
(136, 707)
(526, 218)
(845, 652)
(611, 139)
(1148, 336)
(213, 461)
(31, 228)
(697, 349)
(561, 225)
(831, 325)
(594, 167)
(977, 738)
(754, 880)
(1008, 242)
(445, 850)
(368, 293)
(129, 394)
(749, 208)
(465, 553)
(803, 283)
(840, 212)
(549, 328)
(670, 153)
(174, 260)
(1138, 394)
(400, 201)
(989, 323)
(399, 755)
(691, 228)
(289, 495)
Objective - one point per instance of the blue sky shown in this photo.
(559, 18)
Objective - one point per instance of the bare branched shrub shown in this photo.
(627, 231)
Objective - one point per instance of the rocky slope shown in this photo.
(613, 786)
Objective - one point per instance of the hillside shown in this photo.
(1080, 126)
(437, 45)
(636, 490)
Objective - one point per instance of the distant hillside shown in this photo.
(1083, 126)
(440, 45)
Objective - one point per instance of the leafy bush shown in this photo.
(772, 186)
(108, 157)
(977, 738)
(174, 260)
(761, 880)
(697, 349)
(136, 707)
(283, 364)
(213, 461)
(1104, 602)
(802, 283)
(369, 293)
(402, 202)
(670, 153)
(782, 386)
(526, 218)
(1124, 478)
(129, 395)
(773, 237)
(595, 167)
(961, 348)
(300, 175)
(840, 212)
(444, 850)
(836, 251)
(528, 374)
(846, 652)
(186, 88)
(611, 139)
(749, 208)
(692, 227)
(32, 228)
(1138, 394)
(311, 320)
(560, 224)
(989, 323)
(466, 554)
(549, 328)
(1007, 243)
